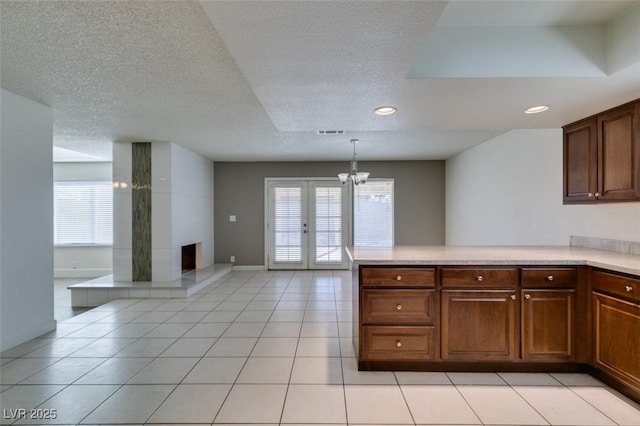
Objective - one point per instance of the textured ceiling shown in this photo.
(254, 80)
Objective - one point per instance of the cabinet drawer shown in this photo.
(398, 306)
(548, 277)
(465, 277)
(627, 288)
(398, 277)
(397, 343)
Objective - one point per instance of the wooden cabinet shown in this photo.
(398, 277)
(562, 318)
(398, 307)
(602, 157)
(547, 306)
(547, 326)
(616, 325)
(478, 313)
(397, 314)
(394, 343)
(478, 325)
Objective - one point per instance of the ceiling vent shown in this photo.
(331, 132)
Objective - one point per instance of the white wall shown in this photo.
(181, 209)
(82, 261)
(509, 191)
(26, 227)
(192, 204)
(122, 219)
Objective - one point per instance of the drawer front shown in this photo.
(397, 343)
(627, 288)
(482, 277)
(398, 277)
(398, 306)
(548, 277)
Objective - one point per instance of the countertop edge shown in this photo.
(444, 255)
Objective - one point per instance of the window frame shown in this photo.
(354, 206)
(85, 182)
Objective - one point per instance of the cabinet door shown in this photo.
(547, 325)
(580, 161)
(619, 154)
(617, 338)
(478, 325)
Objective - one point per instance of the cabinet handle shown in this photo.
(597, 194)
(399, 344)
(513, 297)
(590, 194)
(628, 288)
(527, 296)
(399, 307)
(479, 278)
(550, 278)
(399, 277)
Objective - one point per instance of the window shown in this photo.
(83, 212)
(373, 213)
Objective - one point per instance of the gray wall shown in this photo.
(239, 190)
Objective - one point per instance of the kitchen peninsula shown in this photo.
(447, 308)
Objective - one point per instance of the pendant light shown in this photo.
(354, 175)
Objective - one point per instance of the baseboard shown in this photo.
(35, 331)
(248, 268)
(81, 273)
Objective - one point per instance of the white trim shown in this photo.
(82, 273)
(248, 268)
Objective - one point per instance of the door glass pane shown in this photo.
(328, 223)
(288, 220)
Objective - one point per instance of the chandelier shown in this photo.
(354, 175)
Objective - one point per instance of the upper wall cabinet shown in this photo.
(602, 157)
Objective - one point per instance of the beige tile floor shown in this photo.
(265, 348)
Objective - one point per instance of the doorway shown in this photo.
(306, 223)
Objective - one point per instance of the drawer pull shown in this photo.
(526, 296)
(513, 297)
(399, 277)
(550, 278)
(628, 288)
(479, 278)
(399, 344)
(399, 307)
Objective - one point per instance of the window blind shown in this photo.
(83, 212)
(328, 223)
(288, 218)
(373, 213)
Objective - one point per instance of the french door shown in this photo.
(306, 224)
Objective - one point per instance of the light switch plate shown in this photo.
(232, 218)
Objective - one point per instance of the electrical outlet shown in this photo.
(232, 259)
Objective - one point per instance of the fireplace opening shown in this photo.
(188, 258)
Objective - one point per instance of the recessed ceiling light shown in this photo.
(536, 109)
(385, 110)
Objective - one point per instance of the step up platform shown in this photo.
(104, 289)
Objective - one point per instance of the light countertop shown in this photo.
(495, 255)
